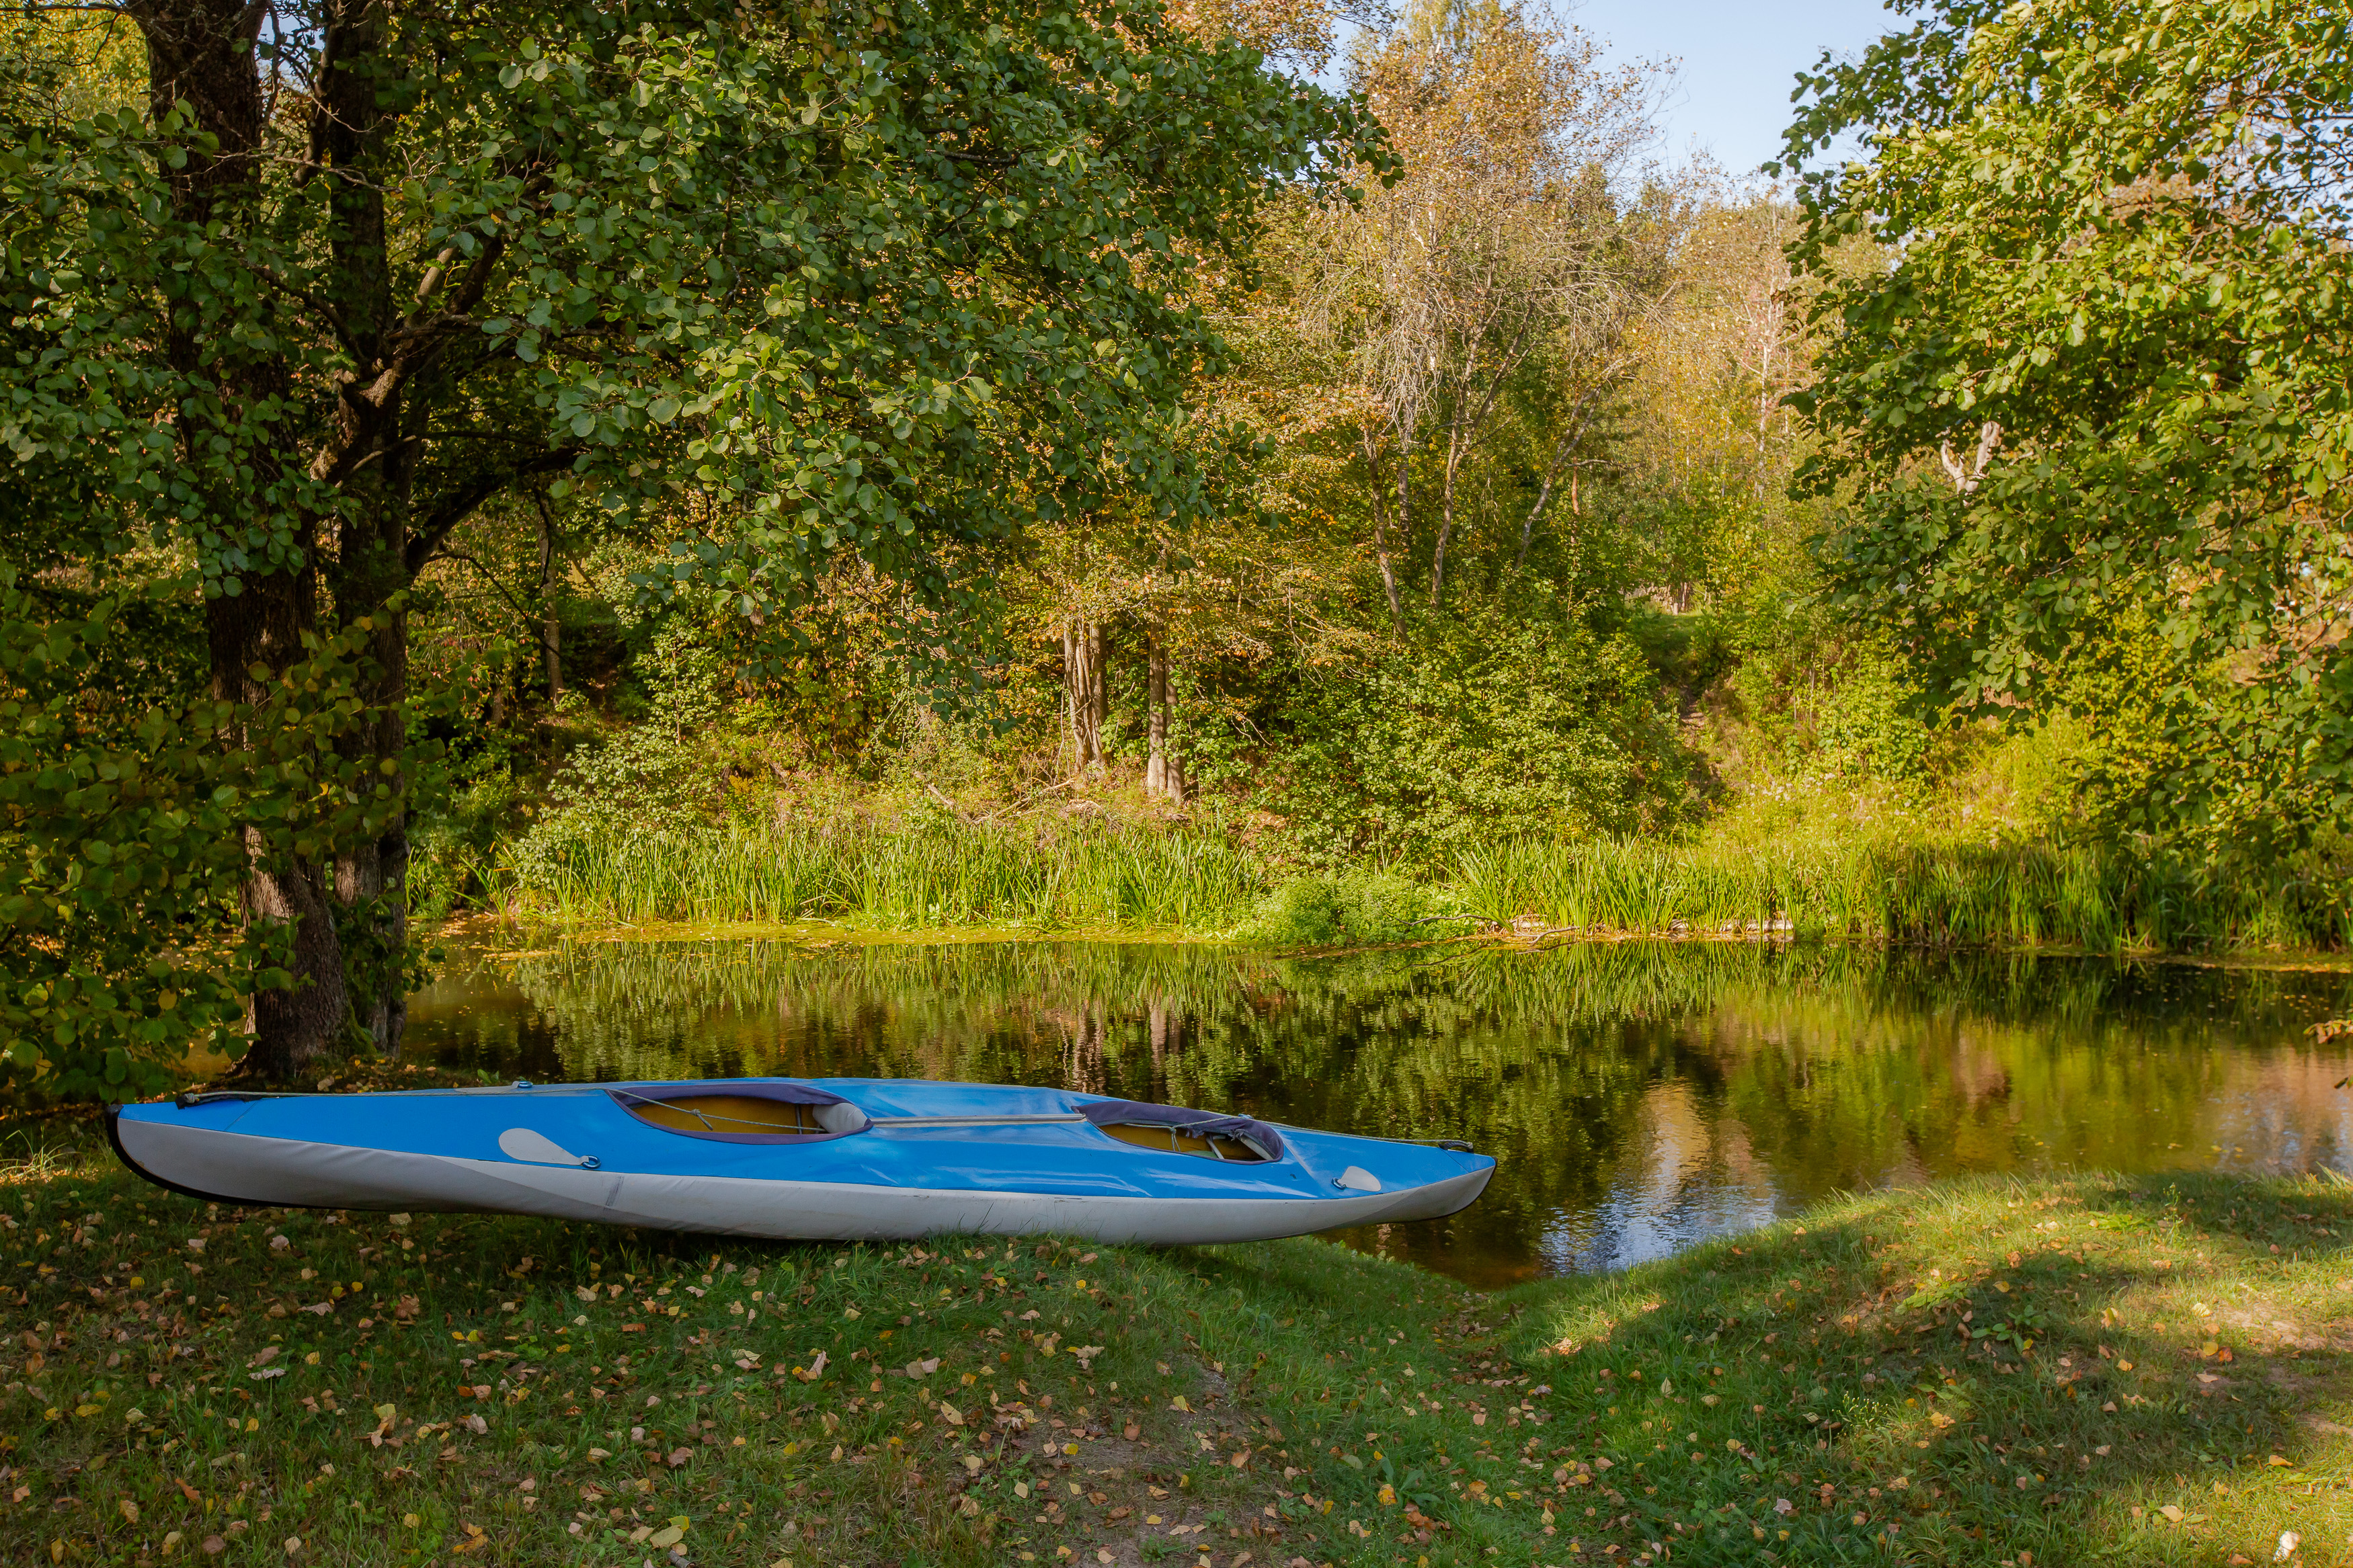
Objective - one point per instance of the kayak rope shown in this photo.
(1457, 1145)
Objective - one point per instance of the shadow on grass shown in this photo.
(2129, 1369)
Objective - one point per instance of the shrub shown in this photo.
(1359, 910)
(1487, 728)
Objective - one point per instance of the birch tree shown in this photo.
(1511, 241)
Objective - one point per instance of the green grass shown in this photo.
(925, 878)
(1203, 879)
(1879, 890)
(2096, 1369)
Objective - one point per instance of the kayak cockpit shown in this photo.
(785, 1113)
(1177, 1130)
(745, 1112)
(1177, 1140)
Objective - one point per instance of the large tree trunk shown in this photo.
(371, 876)
(262, 627)
(200, 53)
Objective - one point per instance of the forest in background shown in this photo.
(1065, 470)
(1515, 534)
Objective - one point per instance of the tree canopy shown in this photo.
(2101, 391)
(769, 285)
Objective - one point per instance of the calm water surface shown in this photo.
(1639, 1096)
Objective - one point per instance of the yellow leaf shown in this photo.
(1178, 1404)
(2172, 1514)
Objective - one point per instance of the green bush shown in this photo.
(1357, 910)
(1491, 726)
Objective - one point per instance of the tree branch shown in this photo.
(429, 540)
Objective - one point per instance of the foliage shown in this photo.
(755, 292)
(124, 827)
(1355, 910)
(2101, 376)
(1465, 326)
(1490, 726)
(1872, 726)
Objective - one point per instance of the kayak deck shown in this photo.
(847, 1159)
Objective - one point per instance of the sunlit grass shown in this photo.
(1202, 879)
(920, 878)
(1878, 890)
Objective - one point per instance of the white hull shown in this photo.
(280, 1172)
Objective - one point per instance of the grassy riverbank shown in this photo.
(1204, 879)
(2153, 1372)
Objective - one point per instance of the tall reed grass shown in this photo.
(1947, 894)
(921, 877)
(1204, 880)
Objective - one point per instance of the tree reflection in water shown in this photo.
(1639, 1095)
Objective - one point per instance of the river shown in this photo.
(1639, 1096)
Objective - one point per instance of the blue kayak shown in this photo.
(813, 1159)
